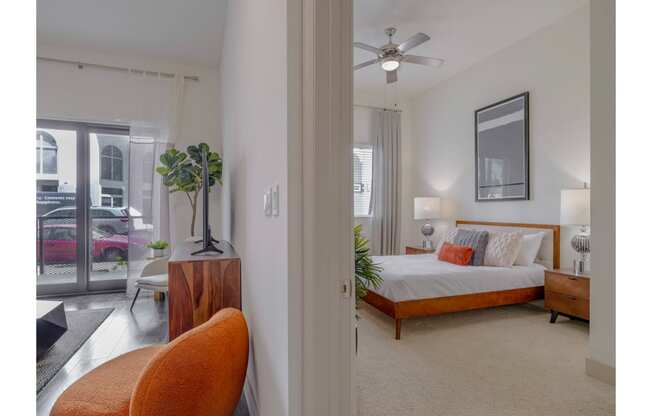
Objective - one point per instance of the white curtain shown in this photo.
(385, 188)
(154, 130)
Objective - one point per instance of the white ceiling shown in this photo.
(463, 32)
(183, 31)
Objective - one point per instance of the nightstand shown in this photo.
(418, 250)
(567, 294)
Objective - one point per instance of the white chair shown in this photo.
(153, 277)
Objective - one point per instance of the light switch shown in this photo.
(275, 200)
(267, 202)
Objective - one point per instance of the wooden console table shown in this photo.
(199, 286)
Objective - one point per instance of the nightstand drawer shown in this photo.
(570, 285)
(567, 304)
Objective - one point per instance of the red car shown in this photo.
(60, 245)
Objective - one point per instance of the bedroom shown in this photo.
(427, 164)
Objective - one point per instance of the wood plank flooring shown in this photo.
(121, 332)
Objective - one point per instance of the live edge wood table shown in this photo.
(201, 285)
(567, 294)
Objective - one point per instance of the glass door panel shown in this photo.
(109, 217)
(82, 224)
(57, 251)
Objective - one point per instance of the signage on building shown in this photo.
(48, 201)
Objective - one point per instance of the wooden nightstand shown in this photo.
(567, 294)
(418, 250)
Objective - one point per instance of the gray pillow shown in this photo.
(477, 240)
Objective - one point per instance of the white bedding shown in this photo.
(423, 276)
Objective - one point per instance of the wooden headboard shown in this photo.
(556, 233)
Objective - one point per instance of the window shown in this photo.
(62, 234)
(44, 185)
(111, 164)
(362, 171)
(112, 197)
(46, 153)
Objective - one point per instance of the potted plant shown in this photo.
(367, 273)
(158, 247)
(182, 172)
(120, 264)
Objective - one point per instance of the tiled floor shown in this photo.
(121, 332)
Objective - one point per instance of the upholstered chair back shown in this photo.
(200, 373)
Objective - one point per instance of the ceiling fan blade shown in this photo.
(392, 76)
(368, 48)
(423, 60)
(366, 63)
(415, 40)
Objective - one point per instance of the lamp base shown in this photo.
(579, 266)
(581, 243)
(427, 230)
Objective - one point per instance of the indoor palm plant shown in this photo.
(367, 273)
(182, 172)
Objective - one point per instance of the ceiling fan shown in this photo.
(392, 55)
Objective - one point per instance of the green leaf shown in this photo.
(367, 273)
(182, 172)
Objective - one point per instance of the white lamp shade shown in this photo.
(427, 208)
(575, 207)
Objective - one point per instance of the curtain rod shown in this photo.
(377, 108)
(81, 65)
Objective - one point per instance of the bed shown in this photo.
(421, 285)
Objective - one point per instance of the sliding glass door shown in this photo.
(109, 217)
(56, 202)
(82, 236)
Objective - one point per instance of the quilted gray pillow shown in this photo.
(477, 240)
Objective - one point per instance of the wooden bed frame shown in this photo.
(436, 306)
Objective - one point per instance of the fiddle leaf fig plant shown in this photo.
(182, 172)
(367, 273)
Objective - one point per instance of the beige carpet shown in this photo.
(493, 362)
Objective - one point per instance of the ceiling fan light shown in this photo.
(390, 65)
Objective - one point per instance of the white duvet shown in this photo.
(423, 276)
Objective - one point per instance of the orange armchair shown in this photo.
(200, 373)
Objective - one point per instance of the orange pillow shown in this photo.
(455, 254)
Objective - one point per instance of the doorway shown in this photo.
(82, 220)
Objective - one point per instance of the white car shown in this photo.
(108, 219)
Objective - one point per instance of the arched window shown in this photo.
(111, 163)
(46, 153)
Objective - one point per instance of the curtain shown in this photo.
(385, 188)
(154, 130)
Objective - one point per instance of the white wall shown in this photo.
(254, 80)
(64, 91)
(602, 343)
(553, 65)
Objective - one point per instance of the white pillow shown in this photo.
(447, 237)
(502, 249)
(530, 244)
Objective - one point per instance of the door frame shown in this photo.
(83, 283)
(320, 143)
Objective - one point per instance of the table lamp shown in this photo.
(427, 208)
(576, 210)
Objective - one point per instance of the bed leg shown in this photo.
(397, 324)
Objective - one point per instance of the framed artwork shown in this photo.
(502, 150)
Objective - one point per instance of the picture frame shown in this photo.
(502, 161)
